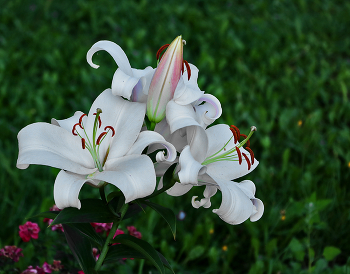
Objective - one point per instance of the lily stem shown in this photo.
(110, 237)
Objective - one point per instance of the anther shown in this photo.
(184, 42)
(81, 119)
(73, 130)
(161, 49)
(251, 154)
(247, 159)
(237, 130)
(188, 69)
(248, 141)
(100, 137)
(111, 128)
(239, 155)
(253, 128)
(234, 133)
(83, 143)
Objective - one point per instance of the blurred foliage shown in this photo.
(283, 66)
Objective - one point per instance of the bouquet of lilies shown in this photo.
(146, 135)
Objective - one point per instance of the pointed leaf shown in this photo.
(88, 231)
(92, 211)
(133, 210)
(143, 247)
(167, 214)
(46, 214)
(81, 248)
(120, 251)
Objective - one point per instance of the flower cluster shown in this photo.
(29, 230)
(159, 111)
(12, 252)
(57, 227)
(46, 268)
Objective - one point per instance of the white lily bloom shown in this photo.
(188, 106)
(213, 158)
(103, 146)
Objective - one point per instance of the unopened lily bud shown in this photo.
(165, 80)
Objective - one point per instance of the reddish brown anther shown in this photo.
(83, 143)
(251, 154)
(111, 128)
(160, 50)
(100, 137)
(237, 130)
(234, 134)
(73, 130)
(247, 159)
(99, 120)
(248, 142)
(239, 155)
(81, 119)
(188, 69)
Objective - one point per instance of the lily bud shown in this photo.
(164, 81)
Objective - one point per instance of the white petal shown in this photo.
(67, 188)
(248, 187)
(179, 189)
(189, 168)
(218, 136)
(187, 91)
(134, 175)
(147, 138)
(208, 112)
(259, 210)
(209, 192)
(68, 123)
(176, 139)
(236, 207)
(123, 84)
(125, 117)
(50, 145)
(198, 141)
(179, 116)
(115, 51)
(140, 91)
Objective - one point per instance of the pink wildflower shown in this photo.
(95, 253)
(100, 227)
(47, 268)
(12, 252)
(29, 230)
(56, 265)
(30, 270)
(133, 232)
(49, 221)
(80, 272)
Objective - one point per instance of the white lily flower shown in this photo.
(185, 106)
(214, 157)
(103, 146)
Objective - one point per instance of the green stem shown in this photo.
(110, 237)
(141, 266)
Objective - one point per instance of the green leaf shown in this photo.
(81, 248)
(168, 182)
(143, 247)
(89, 232)
(46, 214)
(120, 251)
(167, 214)
(117, 203)
(330, 252)
(298, 249)
(92, 211)
(133, 209)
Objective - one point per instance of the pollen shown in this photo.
(300, 123)
(225, 248)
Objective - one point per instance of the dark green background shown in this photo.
(270, 63)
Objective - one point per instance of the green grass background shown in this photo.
(270, 63)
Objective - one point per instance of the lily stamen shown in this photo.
(160, 50)
(188, 69)
(83, 143)
(100, 137)
(247, 159)
(111, 128)
(239, 155)
(73, 130)
(81, 120)
(251, 154)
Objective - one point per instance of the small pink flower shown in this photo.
(95, 253)
(36, 270)
(133, 232)
(29, 230)
(80, 272)
(47, 268)
(118, 232)
(101, 227)
(49, 221)
(12, 252)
